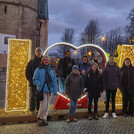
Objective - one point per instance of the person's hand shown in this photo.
(101, 93)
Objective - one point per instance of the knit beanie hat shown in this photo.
(75, 67)
(38, 49)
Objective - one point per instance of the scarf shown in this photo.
(47, 76)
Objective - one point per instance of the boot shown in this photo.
(90, 117)
(40, 122)
(68, 119)
(74, 119)
(96, 117)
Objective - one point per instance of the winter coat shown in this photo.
(111, 77)
(85, 67)
(74, 86)
(127, 80)
(39, 79)
(64, 67)
(30, 68)
(93, 85)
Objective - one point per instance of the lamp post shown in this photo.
(103, 39)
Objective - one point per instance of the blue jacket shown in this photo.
(39, 79)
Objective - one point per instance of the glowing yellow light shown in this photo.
(75, 52)
(103, 38)
(89, 53)
(19, 53)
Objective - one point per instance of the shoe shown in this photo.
(90, 117)
(33, 112)
(45, 123)
(114, 115)
(68, 120)
(74, 119)
(125, 115)
(106, 115)
(131, 114)
(40, 122)
(96, 117)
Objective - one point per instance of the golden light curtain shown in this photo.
(19, 53)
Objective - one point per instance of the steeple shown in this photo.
(43, 9)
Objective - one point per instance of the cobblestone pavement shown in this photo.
(122, 125)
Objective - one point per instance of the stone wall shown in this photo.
(19, 17)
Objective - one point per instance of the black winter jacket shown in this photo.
(111, 77)
(93, 85)
(74, 86)
(64, 67)
(127, 80)
(30, 68)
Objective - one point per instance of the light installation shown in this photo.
(19, 53)
(62, 102)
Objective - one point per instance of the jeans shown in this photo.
(127, 101)
(72, 109)
(33, 102)
(105, 98)
(61, 82)
(112, 94)
(90, 105)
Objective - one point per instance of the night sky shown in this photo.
(77, 13)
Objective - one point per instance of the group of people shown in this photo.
(76, 80)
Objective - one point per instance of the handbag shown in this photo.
(39, 94)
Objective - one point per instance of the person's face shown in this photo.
(67, 54)
(94, 67)
(85, 59)
(96, 57)
(127, 62)
(38, 54)
(46, 61)
(75, 71)
(111, 60)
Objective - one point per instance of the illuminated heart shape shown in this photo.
(99, 49)
(61, 98)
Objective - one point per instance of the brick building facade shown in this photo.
(20, 18)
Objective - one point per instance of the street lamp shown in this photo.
(75, 51)
(103, 38)
(89, 53)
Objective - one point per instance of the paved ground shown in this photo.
(121, 125)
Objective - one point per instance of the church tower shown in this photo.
(43, 19)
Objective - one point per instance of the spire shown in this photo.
(43, 9)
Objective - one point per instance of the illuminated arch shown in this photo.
(99, 49)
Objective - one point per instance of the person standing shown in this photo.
(84, 66)
(94, 89)
(111, 79)
(127, 86)
(73, 88)
(64, 68)
(45, 79)
(96, 60)
(30, 68)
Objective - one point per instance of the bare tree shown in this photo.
(130, 26)
(91, 34)
(67, 36)
(113, 38)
